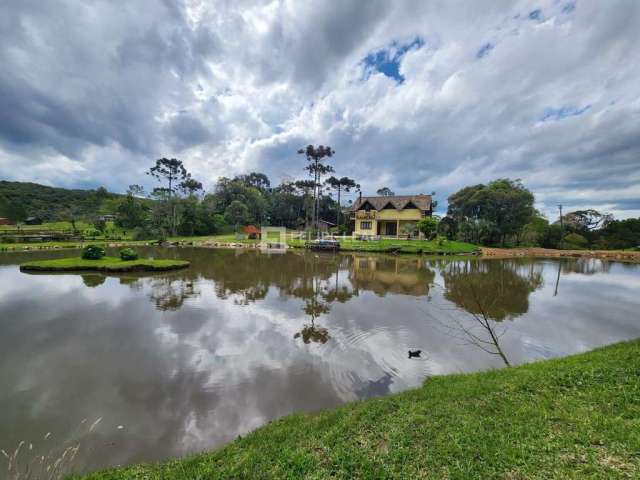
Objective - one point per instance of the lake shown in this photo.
(182, 362)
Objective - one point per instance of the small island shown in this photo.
(94, 259)
(105, 264)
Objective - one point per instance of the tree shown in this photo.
(340, 184)
(428, 227)
(255, 180)
(317, 169)
(447, 226)
(385, 192)
(504, 203)
(620, 234)
(190, 186)
(237, 213)
(174, 173)
(587, 220)
(170, 170)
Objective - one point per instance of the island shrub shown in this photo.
(93, 252)
(128, 254)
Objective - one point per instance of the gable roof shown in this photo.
(423, 202)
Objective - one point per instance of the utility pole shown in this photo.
(561, 227)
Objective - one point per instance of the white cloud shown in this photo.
(231, 87)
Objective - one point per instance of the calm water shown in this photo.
(186, 361)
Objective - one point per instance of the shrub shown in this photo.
(575, 240)
(93, 252)
(128, 254)
(428, 227)
(146, 233)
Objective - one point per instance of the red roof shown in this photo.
(251, 230)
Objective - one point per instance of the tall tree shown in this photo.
(190, 186)
(344, 184)
(317, 169)
(385, 192)
(173, 172)
(501, 208)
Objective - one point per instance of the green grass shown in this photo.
(576, 417)
(105, 264)
(402, 246)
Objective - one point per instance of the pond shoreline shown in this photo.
(535, 252)
(554, 418)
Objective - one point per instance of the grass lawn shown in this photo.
(576, 417)
(105, 264)
(403, 246)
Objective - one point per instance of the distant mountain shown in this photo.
(19, 200)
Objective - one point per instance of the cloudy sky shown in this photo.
(419, 96)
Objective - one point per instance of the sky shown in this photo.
(419, 96)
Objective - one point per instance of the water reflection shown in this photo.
(188, 360)
(487, 293)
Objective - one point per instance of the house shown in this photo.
(107, 218)
(387, 216)
(33, 221)
(325, 225)
(6, 221)
(251, 231)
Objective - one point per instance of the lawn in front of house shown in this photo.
(401, 245)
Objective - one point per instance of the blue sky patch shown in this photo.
(485, 49)
(535, 14)
(387, 60)
(552, 114)
(569, 7)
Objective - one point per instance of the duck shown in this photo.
(414, 353)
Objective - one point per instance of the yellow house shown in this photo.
(386, 216)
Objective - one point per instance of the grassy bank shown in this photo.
(105, 264)
(577, 417)
(401, 246)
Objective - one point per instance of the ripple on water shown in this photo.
(362, 362)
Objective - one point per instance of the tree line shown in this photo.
(181, 207)
(502, 213)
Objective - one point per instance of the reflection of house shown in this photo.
(381, 274)
(388, 215)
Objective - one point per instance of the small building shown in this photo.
(386, 216)
(33, 221)
(107, 218)
(6, 221)
(251, 231)
(325, 225)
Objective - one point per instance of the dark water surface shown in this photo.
(185, 361)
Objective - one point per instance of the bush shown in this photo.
(428, 226)
(146, 233)
(128, 254)
(92, 252)
(575, 241)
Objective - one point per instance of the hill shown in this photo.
(19, 200)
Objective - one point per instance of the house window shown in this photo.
(365, 225)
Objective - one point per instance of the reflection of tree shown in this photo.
(93, 280)
(170, 293)
(314, 306)
(488, 292)
(495, 287)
